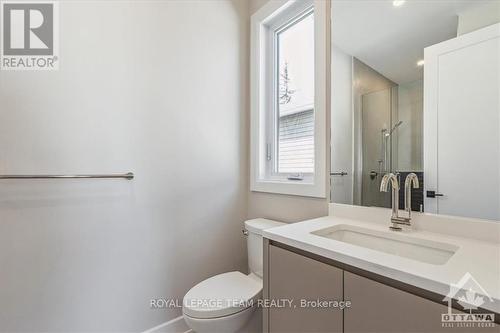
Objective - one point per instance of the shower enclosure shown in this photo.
(374, 128)
(377, 139)
(371, 120)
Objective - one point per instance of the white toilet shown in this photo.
(227, 303)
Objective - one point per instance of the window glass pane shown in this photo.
(295, 97)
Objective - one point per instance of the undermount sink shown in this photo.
(423, 250)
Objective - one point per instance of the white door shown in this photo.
(461, 125)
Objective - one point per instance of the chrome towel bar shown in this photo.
(128, 176)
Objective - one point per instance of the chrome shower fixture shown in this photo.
(393, 128)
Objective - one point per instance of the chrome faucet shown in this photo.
(396, 220)
(411, 179)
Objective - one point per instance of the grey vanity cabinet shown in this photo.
(375, 305)
(292, 276)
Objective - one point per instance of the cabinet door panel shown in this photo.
(379, 308)
(292, 276)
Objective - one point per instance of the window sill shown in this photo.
(290, 187)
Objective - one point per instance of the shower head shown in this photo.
(394, 128)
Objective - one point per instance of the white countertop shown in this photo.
(479, 256)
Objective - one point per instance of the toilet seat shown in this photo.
(222, 295)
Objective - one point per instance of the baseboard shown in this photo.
(176, 325)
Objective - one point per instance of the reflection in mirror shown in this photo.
(380, 53)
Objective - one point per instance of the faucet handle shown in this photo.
(384, 182)
(389, 177)
(412, 179)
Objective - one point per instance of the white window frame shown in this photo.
(264, 24)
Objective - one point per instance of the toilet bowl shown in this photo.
(227, 303)
(227, 324)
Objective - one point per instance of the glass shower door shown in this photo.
(376, 146)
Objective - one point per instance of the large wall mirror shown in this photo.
(415, 89)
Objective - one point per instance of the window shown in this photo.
(289, 70)
(295, 97)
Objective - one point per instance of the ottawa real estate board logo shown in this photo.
(29, 35)
(472, 297)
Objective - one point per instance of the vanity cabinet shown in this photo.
(295, 277)
(378, 307)
(377, 304)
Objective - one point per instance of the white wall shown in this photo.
(283, 207)
(410, 134)
(479, 17)
(154, 87)
(256, 4)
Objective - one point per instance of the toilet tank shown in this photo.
(254, 243)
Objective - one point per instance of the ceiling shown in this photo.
(392, 39)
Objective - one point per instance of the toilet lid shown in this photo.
(222, 295)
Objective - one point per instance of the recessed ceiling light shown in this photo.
(398, 3)
(420, 63)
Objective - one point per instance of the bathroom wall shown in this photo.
(256, 4)
(410, 134)
(283, 207)
(154, 87)
(478, 17)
